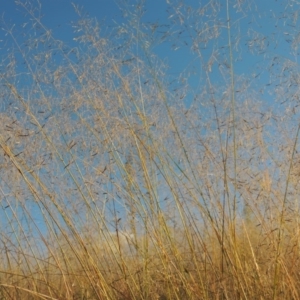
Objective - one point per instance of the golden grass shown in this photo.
(113, 189)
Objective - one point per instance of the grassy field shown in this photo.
(116, 185)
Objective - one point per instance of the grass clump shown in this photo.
(118, 183)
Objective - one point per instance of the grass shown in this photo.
(113, 188)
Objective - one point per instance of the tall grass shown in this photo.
(116, 184)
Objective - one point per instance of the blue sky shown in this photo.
(251, 19)
(260, 32)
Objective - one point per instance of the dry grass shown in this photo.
(113, 188)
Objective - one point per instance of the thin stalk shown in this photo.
(233, 117)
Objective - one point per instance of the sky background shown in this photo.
(260, 30)
(191, 38)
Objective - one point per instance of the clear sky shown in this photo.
(260, 30)
(189, 36)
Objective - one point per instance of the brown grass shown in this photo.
(113, 188)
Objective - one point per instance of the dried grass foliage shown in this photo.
(112, 188)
